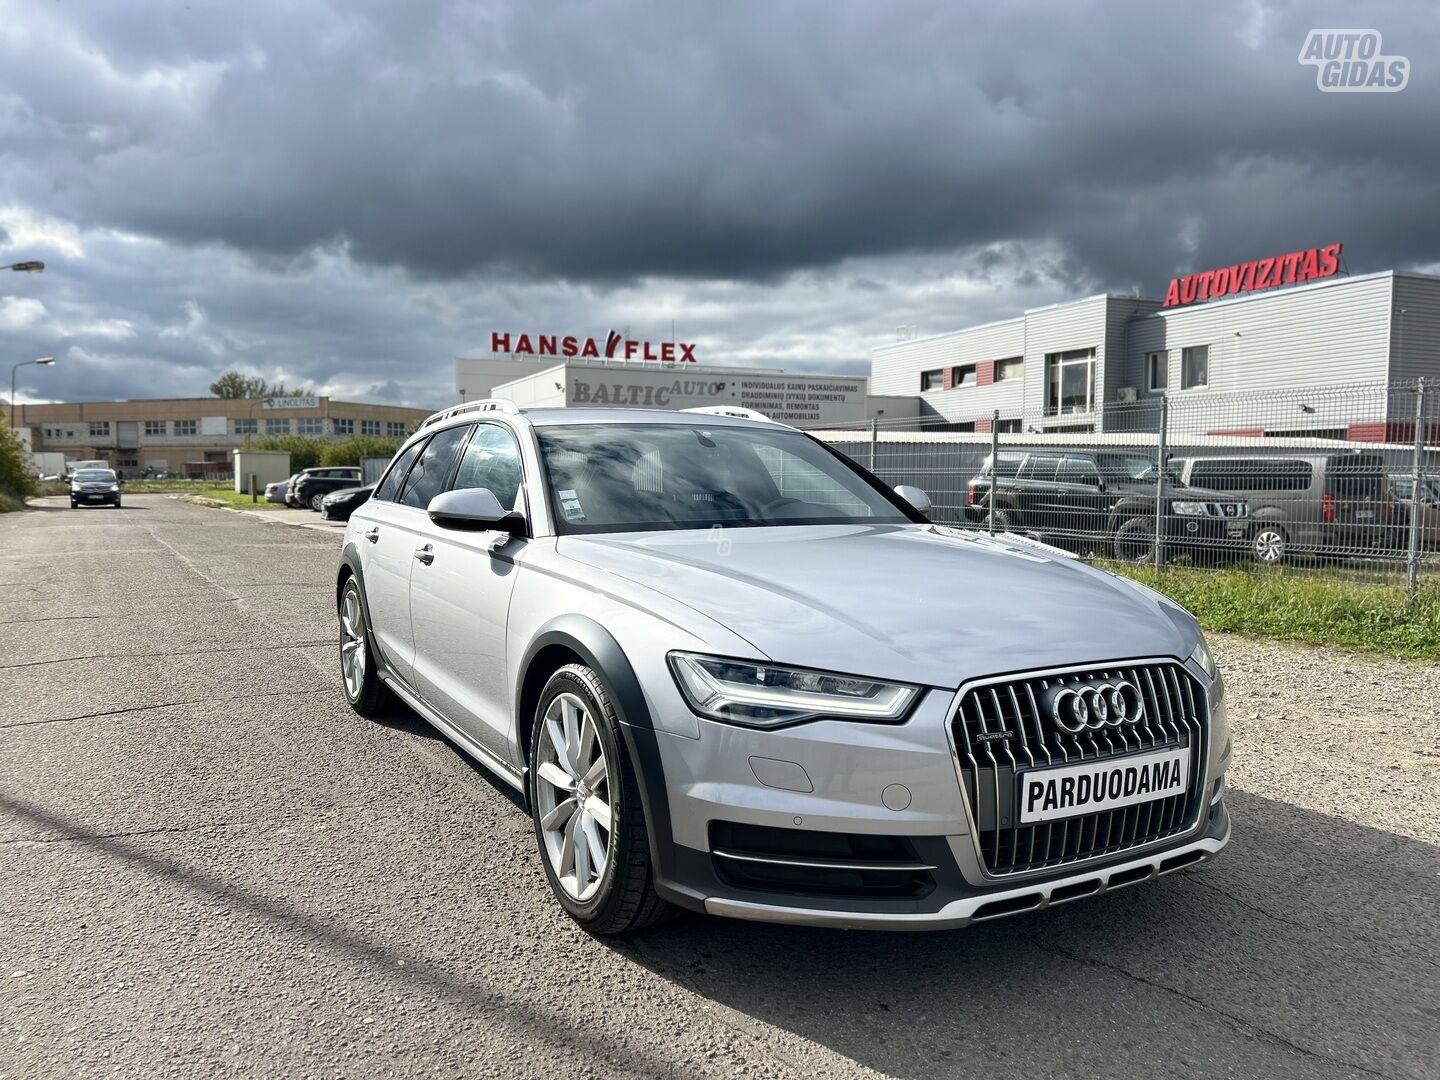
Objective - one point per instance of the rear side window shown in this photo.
(1079, 470)
(1039, 467)
(1007, 465)
(429, 475)
(1359, 477)
(390, 487)
(1232, 475)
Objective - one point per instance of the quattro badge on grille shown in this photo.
(1090, 706)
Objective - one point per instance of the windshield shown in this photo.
(94, 476)
(635, 477)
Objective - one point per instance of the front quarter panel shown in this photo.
(644, 623)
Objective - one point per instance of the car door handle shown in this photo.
(372, 534)
(425, 553)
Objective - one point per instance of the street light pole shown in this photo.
(44, 361)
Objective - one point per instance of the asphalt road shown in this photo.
(209, 865)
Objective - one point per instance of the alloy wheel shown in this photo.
(1269, 546)
(574, 791)
(352, 642)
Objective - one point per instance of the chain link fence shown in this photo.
(1343, 478)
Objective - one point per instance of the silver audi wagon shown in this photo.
(732, 671)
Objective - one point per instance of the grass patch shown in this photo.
(1319, 610)
(9, 503)
(225, 496)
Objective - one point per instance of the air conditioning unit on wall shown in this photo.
(1127, 395)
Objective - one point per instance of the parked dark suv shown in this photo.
(312, 485)
(1106, 500)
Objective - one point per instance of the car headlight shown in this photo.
(1189, 509)
(1202, 656)
(113, 487)
(769, 696)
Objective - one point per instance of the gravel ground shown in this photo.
(212, 867)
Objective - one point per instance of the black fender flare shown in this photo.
(1122, 512)
(598, 650)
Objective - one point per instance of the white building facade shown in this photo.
(1091, 365)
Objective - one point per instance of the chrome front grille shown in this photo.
(1002, 729)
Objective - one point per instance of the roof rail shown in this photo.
(504, 405)
(738, 412)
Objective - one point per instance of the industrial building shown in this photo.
(805, 400)
(193, 436)
(1091, 365)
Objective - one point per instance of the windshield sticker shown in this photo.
(570, 505)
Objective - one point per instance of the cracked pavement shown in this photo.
(210, 866)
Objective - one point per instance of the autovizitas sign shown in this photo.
(1291, 269)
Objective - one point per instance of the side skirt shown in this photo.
(510, 775)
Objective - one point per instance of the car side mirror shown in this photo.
(914, 496)
(476, 509)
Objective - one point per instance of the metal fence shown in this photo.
(1345, 478)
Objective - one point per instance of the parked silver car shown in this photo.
(733, 672)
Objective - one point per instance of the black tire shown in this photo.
(74, 505)
(366, 694)
(624, 899)
(1135, 541)
(1269, 544)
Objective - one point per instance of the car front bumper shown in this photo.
(962, 911)
(872, 784)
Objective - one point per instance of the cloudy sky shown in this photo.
(348, 194)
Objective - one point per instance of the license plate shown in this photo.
(1071, 790)
(94, 498)
(1364, 515)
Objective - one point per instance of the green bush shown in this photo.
(305, 452)
(350, 451)
(16, 482)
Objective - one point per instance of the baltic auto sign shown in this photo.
(615, 347)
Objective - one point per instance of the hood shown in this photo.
(917, 603)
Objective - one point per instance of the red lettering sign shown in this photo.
(616, 346)
(1293, 268)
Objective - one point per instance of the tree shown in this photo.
(350, 451)
(233, 385)
(15, 478)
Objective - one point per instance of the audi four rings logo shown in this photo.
(1092, 706)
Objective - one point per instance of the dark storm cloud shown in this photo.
(346, 194)
(606, 140)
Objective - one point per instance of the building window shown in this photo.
(1070, 385)
(99, 429)
(963, 375)
(1195, 367)
(369, 427)
(395, 429)
(154, 429)
(184, 427)
(1010, 368)
(1009, 427)
(932, 380)
(343, 426)
(312, 425)
(247, 426)
(1157, 370)
(277, 427)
